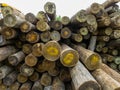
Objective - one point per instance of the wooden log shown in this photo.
(111, 72)
(93, 28)
(56, 25)
(37, 86)
(26, 27)
(95, 8)
(4, 71)
(32, 37)
(117, 60)
(21, 78)
(46, 79)
(65, 75)
(6, 51)
(50, 9)
(31, 18)
(104, 22)
(31, 60)
(91, 20)
(54, 72)
(34, 77)
(82, 79)
(108, 3)
(92, 43)
(55, 35)
(113, 52)
(114, 14)
(45, 36)
(112, 9)
(42, 16)
(16, 58)
(14, 86)
(105, 80)
(26, 86)
(57, 83)
(104, 49)
(10, 78)
(40, 68)
(27, 48)
(26, 70)
(4, 42)
(83, 31)
(69, 57)
(42, 26)
(12, 20)
(99, 48)
(116, 34)
(79, 17)
(47, 65)
(77, 37)
(37, 49)
(10, 10)
(91, 59)
(65, 20)
(113, 65)
(66, 33)
(9, 33)
(51, 50)
(115, 21)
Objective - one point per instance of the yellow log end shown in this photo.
(68, 59)
(52, 51)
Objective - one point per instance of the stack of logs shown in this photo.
(44, 53)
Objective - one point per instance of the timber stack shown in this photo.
(44, 52)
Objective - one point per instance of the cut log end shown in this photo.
(93, 62)
(69, 58)
(51, 50)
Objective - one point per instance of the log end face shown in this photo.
(12, 60)
(10, 20)
(95, 8)
(32, 37)
(31, 60)
(51, 50)
(93, 61)
(24, 27)
(69, 58)
(81, 16)
(66, 33)
(50, 7)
